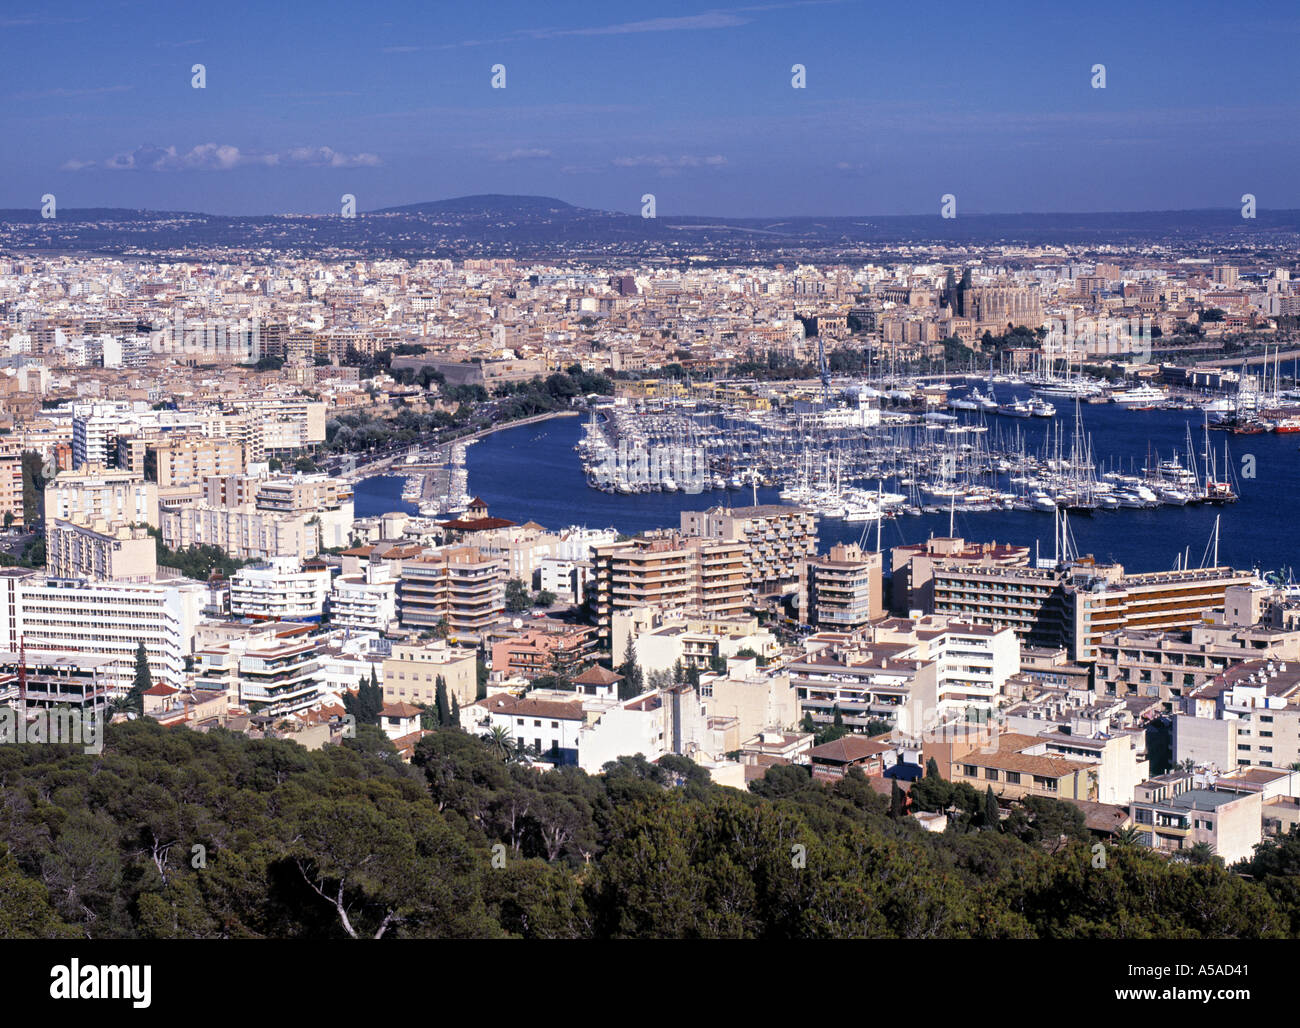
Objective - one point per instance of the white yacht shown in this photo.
(1140, 396)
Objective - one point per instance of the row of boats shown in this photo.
(906, 463)
(1033, 407)
(1142, 397)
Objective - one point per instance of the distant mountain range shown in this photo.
(538, 227)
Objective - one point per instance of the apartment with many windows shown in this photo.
(459, 586)
(842, 590)
(671, 572)
(104, 619)
(280, 590)
(1174, 812)
(778, 540)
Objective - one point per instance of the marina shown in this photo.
(863, 463)
(532, 473)
(436, 484)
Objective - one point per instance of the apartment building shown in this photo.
(102, 494)
(1171, 665)
(662, 639)
(412, 670)
(1021, 766)
(94, 434)
(1247, 715)
(1075, 605)
(557, 648)
(755, 698)
(81, 548)
(301, 493)
(1118, 758)
(841, 591)
(288, 422)
(1106, 599)
(566, 579)
(280, 590)
(530, 552)
(272, 674)
(779, 539)
(98, 427)
(103, 619)
(1030, 601)
(55, 681)
(671, 572)
(460, 586)
(181, 462)
(915, 674)
(12, 509)
(244, 533)
(365, 600)
(912, 566)
(972, 665)
(1173, 813)
(862, 683)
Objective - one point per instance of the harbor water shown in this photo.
(533, 473)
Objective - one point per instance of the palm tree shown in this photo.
(1201, 853)
(1127, 836)
(498, 739)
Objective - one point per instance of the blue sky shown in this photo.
(604, 102)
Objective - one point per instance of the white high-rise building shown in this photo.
(104, 619)
(280, 590)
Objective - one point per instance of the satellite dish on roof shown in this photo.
(518, 623)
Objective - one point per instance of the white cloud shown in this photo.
(670, 164)
(709, 20)
(523, 155)
(223, 157)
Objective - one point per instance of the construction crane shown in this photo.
(22, 680)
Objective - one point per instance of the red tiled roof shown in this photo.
(525, 707)
(848, 750)
(477, 524)
(597, 675)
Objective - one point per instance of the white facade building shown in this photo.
(588, 731)
(104, 619)
(365, 601)
(280, 590)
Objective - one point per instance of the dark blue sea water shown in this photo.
(532, 473)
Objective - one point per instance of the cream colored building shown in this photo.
(11, 485)
(81, 548)
(102, 493)
(664, 638)
(671, 572)
(189, 461)
(756, 700)
(1174, 812)
(412, 671)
